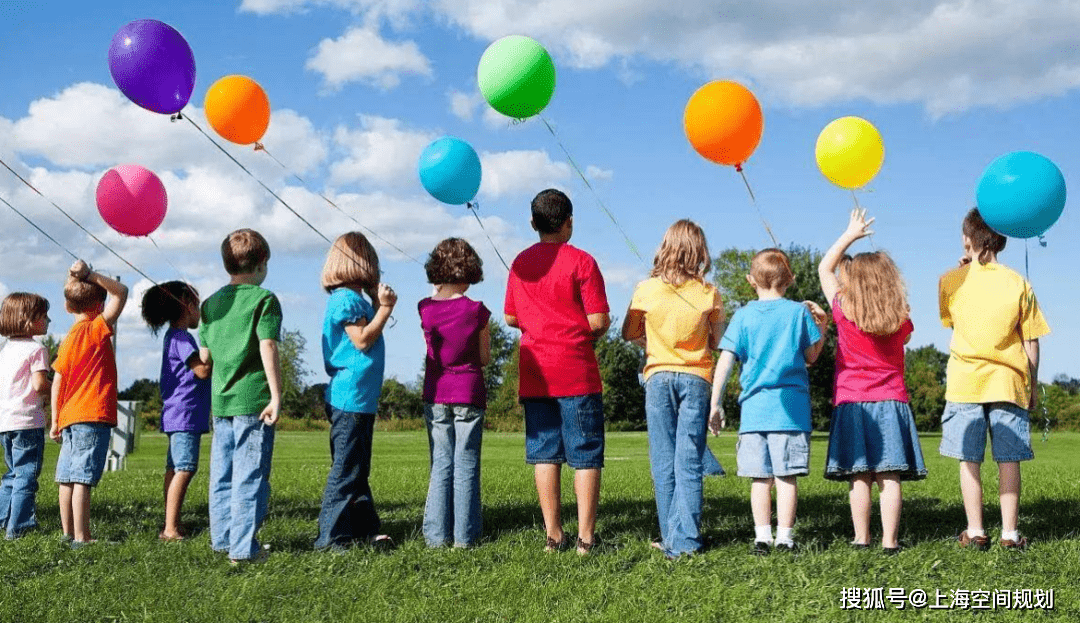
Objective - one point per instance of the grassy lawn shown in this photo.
(510, 578)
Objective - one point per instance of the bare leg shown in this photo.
(1009, 490)
(549, 488)
(787, 499)
(587, 489)
(971, 490)
(859, 497)
(174, 502)
(80, 510)
(892, 500)
(761, 501)
(66, 522)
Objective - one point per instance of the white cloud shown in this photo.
(381, 151)
(523, 171)
(362, 55)
(463, 105)
(595, 173)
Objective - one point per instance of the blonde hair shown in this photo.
(83, 296)
(874, 296)
(351, 260)
(19, 311)
(683, 254)
(771, 269)
(243, 251)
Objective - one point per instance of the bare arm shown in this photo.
(268, 352)
(40, 382)
(485, 345)
(599, 324)
(54, 432)
(204, 356)
(717, 420)
(821, 319)
(364, 334)
(201, 369)
(716, 329)
(858, 227)
(633, 326)
(1031, 347)
(511, 321)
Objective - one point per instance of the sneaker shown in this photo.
(785, 547)
(551, 545)
(980, 543)
(81, 544)
(1015, 545)
(761, 548)
(259, 558)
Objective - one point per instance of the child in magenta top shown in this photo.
(555, 295)
(873, 436)
(458, 348)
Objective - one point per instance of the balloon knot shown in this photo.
(1042, 241)
(259, 147)
(738, 167)
(175, 117)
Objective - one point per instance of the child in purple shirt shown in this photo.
(185, 392)
(458, 348)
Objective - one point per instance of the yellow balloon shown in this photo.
(850, 152)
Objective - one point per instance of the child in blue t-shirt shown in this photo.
(774, 339)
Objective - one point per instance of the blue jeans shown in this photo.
(568, 429)
(183, 452)
(240, 456)
(84, 446)
(453, 499)
(23, 450)
(677, 411)
(348, 510)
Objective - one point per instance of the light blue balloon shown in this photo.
(1021, 194)
(450, 170)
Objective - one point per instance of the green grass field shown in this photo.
(133, 577)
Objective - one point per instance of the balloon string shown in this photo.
(473, 206)
(1035, 381)
(78, 224)
(252, 176)
(629, 243)
(34, 225)
(167, 260)
(260, 147)
(753, 201)
(858, 207)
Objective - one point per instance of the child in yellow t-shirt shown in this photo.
(993, 366)
(681, 318)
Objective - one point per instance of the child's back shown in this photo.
(86, 362)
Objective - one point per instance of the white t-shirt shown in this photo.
(20, 405)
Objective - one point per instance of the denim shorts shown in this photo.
(83, 448)
(874, 438)
(964, 426)
(775, 453)
(183, 452)
(565, 430)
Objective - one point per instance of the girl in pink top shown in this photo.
(873, 436)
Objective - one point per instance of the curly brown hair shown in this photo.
(454, 261)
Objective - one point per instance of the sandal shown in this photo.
(382, 543)
(561, 545)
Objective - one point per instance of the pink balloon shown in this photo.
(131, 199)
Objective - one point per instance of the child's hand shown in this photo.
(820, 317)
(79, 270)
(858, 225)
(717, 420)
(269, 415)
(54, 433)
(387, 296)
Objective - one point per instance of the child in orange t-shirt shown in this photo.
(84, 394)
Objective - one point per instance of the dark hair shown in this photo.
(19, 311)
(243, 251)
(454, 261)
(550, 209)
(984, 241)
(164, 304)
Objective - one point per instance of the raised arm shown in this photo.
(364, 334)
(117, 291)
(858, 227)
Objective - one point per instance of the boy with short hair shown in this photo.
(775, 339)
(84, 394)
(555, 295)
(239, 331)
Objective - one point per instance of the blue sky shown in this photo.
(358, 87)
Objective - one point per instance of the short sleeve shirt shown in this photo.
(552, 289)
(185, 398)
(677, 324)
(770, 338)
(869, 368)
(21, 406)
(453, 370)
(234, 320)
(356, 375)
(86, 363)
(992, 311)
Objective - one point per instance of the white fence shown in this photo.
(124, 435)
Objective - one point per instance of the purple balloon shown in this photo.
(153, 65)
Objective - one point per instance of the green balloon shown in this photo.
(516, 76)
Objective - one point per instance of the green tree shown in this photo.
(502, 349)
(924, 376)
(504, 412)
(731, 267)
(294, 401)
(624, 397)
(399, 401)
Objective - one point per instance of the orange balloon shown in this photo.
(723, 122)
(238, 109)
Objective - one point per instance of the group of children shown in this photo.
(556, 296)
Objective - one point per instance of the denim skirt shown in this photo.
(874, 437)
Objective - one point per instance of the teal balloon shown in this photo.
(450, 170)
(516, 76)
(1021, 194)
